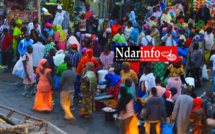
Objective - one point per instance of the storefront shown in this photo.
(26, 10)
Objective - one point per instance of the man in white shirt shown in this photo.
(168, 38)
(31, 26)
(38, 52)
(59, 16)
(148, 39)
(141, 35)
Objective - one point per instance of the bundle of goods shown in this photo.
(197, 4)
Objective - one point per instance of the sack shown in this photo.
(149, 43)
(204, 73)
(19, 69)
(168, 129)
(57, 82)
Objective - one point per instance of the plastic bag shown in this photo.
(19, 69)
(204, 73)
(168, 128)
(57, 82)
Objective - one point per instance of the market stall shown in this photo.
(26, 10)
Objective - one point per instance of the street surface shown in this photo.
(11, 89)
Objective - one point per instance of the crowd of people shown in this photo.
(90, 48)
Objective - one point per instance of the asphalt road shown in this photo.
(11, 96)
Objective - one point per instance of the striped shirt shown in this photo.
(74, 58)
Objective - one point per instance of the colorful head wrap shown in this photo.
(112, 80)
(62, 33)
(127, 64)
(74, 46)
(197, 101)
(196, 39)
(84, 50)
(146, 26)
(48, 25)
(178, 63)
(89, 53)
(153, 24)
(19, 22)
(40, 65)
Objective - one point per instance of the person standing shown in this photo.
(132, 16)
(119, 39)
(60, 38)
(128, 30)
(148, 40)
(181, 111)
(155, 110)
(198, 117)
(43, 97)
(169, 39)
(16, 34)
(141, 35)
(81, 22)
(50, 60)
(34, 32)
(125, 110)
(23, 44)
(31, 26)
(115, 27)
(147, 81)
(62, 67)
(107, 58)
(74, 55)
(29, 72)
(176, 76)
(89, 13)
(88, 85)
(203, 14)
(67, 83)
(96, 49)
(6, 48)
(59, 16)
(48, 29)
(196, 61)
(38, 53)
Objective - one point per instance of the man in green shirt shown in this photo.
(62, 67)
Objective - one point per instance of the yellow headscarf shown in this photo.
(19, 22)
(62, 33)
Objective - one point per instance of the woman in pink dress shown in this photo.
(107, 58)
(60, 38)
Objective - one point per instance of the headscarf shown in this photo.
(40, 65)
(146, 26)
(89, 53)
(62, 33)
(87, 68)
(198, 102)
(127, 64)
(87, 57)
(196, 39)
(178, 63)
(112, 79)
(153, 24)
(48, 25)
(19, 22)
(94, 61)
(84, 50)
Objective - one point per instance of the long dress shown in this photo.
(60, 44)
(43, 98)
(181, 112)
(88, 100)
